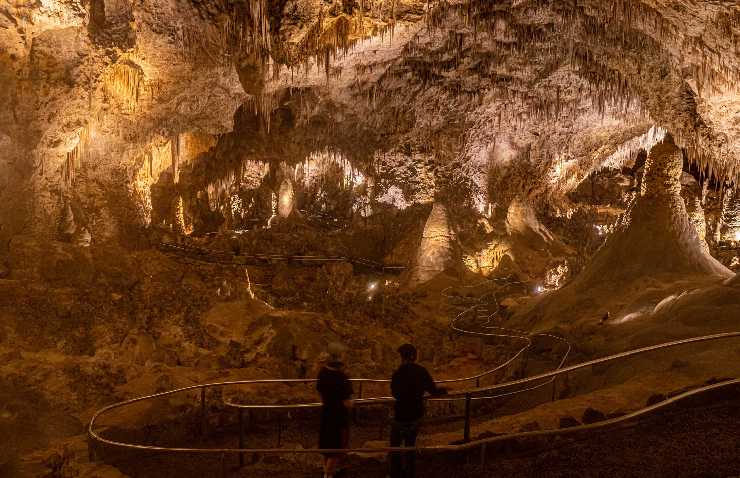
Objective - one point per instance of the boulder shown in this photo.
(591, 415)
(568, 422)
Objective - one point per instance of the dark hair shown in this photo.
(407, 352)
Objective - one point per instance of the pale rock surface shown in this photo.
(435, 250)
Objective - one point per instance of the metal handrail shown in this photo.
(489, 320)
(97, 438)
(441, 448)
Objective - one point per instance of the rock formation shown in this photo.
(655, 236)
(435, 250)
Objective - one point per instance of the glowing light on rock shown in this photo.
(319, 163)
(286, 199)
(563, 174)
(237, 205)
(556, 277)
(628, 150)
(179, 223)
(737, 235)
(395, 197)
(274, 205)
(487, 259)
(628, 317)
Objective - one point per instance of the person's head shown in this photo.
(336, 352)
(407, 352)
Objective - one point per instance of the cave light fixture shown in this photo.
(737, 235)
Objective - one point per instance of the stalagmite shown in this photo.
(286, 198)
(67, 226)
(656, 236)
(178, 223)
(731, 216)
(435, 250)
(698, 220)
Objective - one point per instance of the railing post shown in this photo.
(482, 454)
(241, 437)
(355, 410)
(466, 431)
(280, 431)
(203, 417)
(477, 382)
(91, 452)
(381, 429)
(554, 386)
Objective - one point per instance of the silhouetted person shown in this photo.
(408, 385)
(336, 392)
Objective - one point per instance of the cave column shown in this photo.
(435, 250)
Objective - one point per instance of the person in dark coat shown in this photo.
(336, 398)
(408, 385)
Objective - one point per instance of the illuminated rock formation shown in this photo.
(435, 250)
(286, 198)
(655, 236)
(521, 219)
(730, 225)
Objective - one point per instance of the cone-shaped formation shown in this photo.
(656, 236)
(435, 251)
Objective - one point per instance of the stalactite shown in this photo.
(243, 29)
(124, 81)
(263, 105)
(76, 157)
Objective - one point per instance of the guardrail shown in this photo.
(95, 438)
(491, 299)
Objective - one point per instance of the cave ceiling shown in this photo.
(403, 88)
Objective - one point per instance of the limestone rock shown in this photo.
(591, 415)
(435, 251)
(568, 422)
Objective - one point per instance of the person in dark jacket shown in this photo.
(336, 393)
(408, 385)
